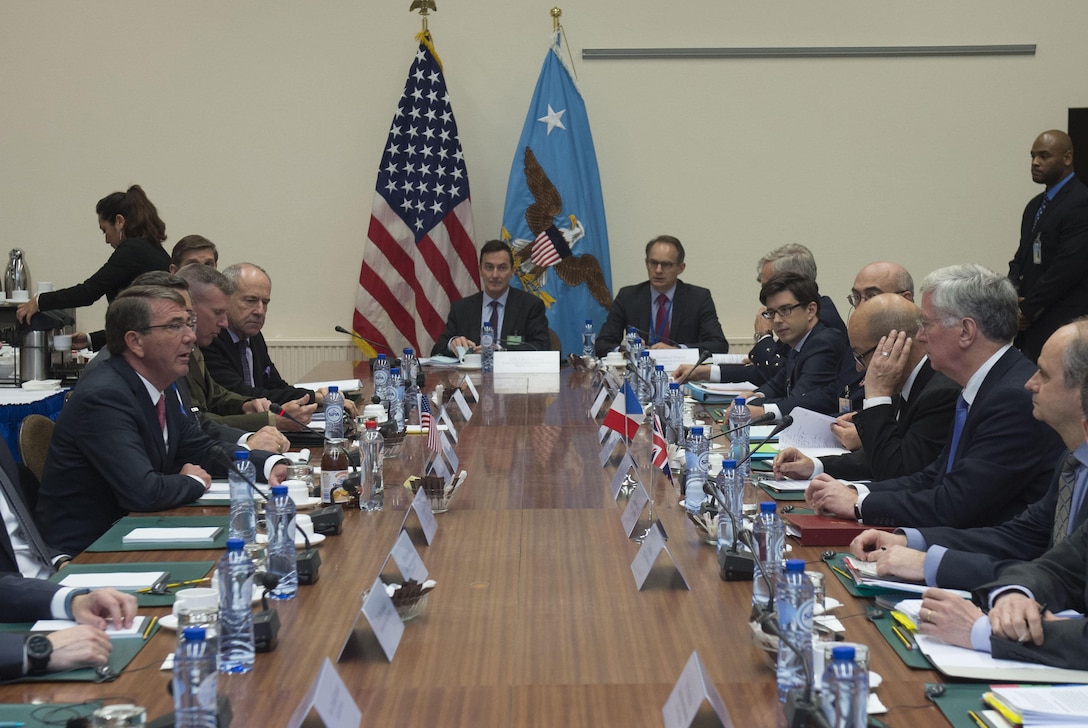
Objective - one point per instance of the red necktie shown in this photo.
(160, 409)
(661, 323)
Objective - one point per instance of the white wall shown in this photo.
(260, 125)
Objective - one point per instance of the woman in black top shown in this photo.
(133, 229)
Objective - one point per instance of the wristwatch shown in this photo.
(38, 651)
(857, 512)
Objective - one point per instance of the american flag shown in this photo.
(660, 452)
(420, 256)
(426, 421)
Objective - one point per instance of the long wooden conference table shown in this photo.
(536, 619)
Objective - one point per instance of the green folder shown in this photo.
(793, 495)
(913, 659)
(112, 540)
(178, 570)
(838, 568)
(123, 651)
(957, 700)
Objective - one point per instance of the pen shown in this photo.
(147, 631)
(904, 637)
(974, 717)
(173, 585)
(841, 572)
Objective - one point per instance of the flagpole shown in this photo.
(556, 12)
(424, 7)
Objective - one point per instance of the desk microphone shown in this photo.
(377, 347)
(506, 343)
(763, 419)
(646, 335)
(279, 411)
(733, 564)
(785, 422)
(704, 355)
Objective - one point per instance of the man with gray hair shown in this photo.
(999, 458)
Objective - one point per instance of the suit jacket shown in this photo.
(892, 447)
(21, 600)
(768, 355)
(8, 562)
(524, 316)
(694, 320)
(1053, 289)
(1058, 579)
(977, 555)
(1004, 462)
(131, 258)
(107, 458)
(812, 381)
(217, 403)
(224, 363)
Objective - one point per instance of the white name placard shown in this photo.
(383, 619)
(526, 362)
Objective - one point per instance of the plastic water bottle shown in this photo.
(409, 365)
(243, 518)
(487, 348)
(660, 381)
(629, 338)
(634, 351)
(697, 451)
(732, 496)
(741, 417)
(371, 463)
(334, 414)
(196, 682)
(282, 560)
(645, 375)
(236, 653)
(589, 340)
(380, 375)
(768, 536)
(845, 696)
(674, 415)
(794, 602)
(396, 401)
(410, 374)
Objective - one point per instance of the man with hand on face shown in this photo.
(809, 376)
(964, 558)
(517, 318)
(908, 407)
(986, 473)
(123, 442)
(87, 645)
(668, 312)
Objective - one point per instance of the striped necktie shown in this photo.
(1066, 481)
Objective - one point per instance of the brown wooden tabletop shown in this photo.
(536, 619)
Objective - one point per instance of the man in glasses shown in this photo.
(880, 277)
(122, 442)
(907, 412)
(667, 312)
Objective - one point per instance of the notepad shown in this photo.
(123, 580)
(204, 534)
(114, 633)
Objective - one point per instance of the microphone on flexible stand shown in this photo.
(733, 564)
(352, 334)
(763, 419)
(802, 707)
(279, 411)
(704, 355)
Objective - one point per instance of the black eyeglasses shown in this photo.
(860, 358)
(662, 264)
(783, 311)
(856, 299)
(174, 327)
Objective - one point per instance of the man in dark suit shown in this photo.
(964, 558)
(122, 442)
(999, 458)
(908, 407)
(238, 357)
(87, 645)
(518, 318)
(667, 312)
(1051, 263)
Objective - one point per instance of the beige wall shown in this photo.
(260, 125)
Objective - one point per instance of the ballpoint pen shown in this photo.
(157, 588)
(150, 626)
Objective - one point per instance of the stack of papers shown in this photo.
(1035, 706)
(121, 580)
(864, 574)
(203, 534)
(114, 633)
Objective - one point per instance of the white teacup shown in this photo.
(196, 598)
(298, 490)
(615, 359)
(473, 360)
(62, 342)
(45, 286)
(20, 296)
(306, 523)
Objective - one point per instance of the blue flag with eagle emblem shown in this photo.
(554, 213)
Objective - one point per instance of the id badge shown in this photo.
(1037, 250)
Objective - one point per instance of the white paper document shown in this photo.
(809, 429)
(55, 625)
(345, 385)
(1067, 704)
(786, 486)
(201, 534)
(123, 580)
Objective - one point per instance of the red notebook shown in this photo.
(826, 530)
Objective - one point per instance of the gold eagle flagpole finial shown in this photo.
(425, 7)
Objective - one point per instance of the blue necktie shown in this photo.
(957, 430)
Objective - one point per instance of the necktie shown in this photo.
(791, 365)
(160, 410)
(494, 318)
(661, 323)
(1040, 211)
(247, 370)
(28, 530)
(957, 430)
(1066, 481)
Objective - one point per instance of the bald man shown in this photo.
(1051, 264)
(908, 408)
(881, 277)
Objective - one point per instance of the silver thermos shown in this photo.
(17, 275)
(34, 356)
